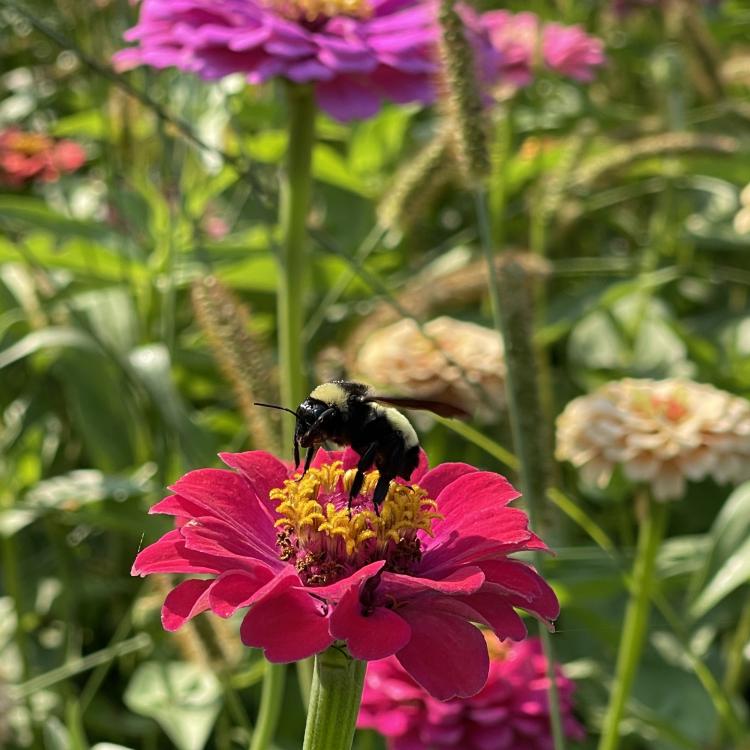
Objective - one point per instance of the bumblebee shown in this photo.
(352, 414)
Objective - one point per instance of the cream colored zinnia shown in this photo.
(456, 362)
(661, 432)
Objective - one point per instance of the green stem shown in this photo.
(295, 202)
(512, 313)
(334, 701)
(735, 661)
(271, 698)
(650, 535)
(304, 679)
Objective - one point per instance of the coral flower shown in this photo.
(521, 38)
(662, 432)
(401, 358)
(410, 581)
(355, 52)
(25, 157)
(511, 712)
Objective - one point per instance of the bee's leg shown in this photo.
(381, 491)
(296, 453)
(308, 461)
(365, 462)
(389, 469)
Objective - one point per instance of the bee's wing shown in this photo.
(437, 407)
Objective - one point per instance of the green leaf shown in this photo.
(152, 365)
(731, 575)
(36, 213)
(54, 337)
(88, 486)
(112, 316)
(182, 697)
(108, 423)
(331, 167)
(727, 560)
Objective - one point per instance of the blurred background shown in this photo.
(137, 325)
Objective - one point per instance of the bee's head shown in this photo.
(310, 429)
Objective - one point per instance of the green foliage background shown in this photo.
(108, 389)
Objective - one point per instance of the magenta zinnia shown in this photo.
(354, 52)
(511, 712)
(410, 581)
(524, 42)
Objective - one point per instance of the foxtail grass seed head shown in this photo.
(463, 98)
(243, 358)
(663, 433)
(417, 183)
(453, 361)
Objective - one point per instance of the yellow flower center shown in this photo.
(328, 541)
(316, 10)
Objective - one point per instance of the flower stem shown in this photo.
(271, 698)
(650, 535)
(512, 311)
(295, 201)
(334, 701)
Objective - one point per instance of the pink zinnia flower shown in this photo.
(25, 157)
(511, 712)
(355, 52)
(520, 38)
(570, 51)
(409, 581)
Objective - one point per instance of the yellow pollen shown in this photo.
(304, 510)
(314, 10)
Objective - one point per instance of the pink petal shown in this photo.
(435, 480)
(334, 591)
(215, 536)
(233, 498)
(236, 588)
(176, 505)
(288, 627)
(497, 613)
(421, 470)
(263, 471)
(345, 99)
(185, 601)
(446, 654)
(169, 555)
(474, 496)
(350, 458)
(465, 580)
(370, 636)
(503, 531)
(531, 591)
(328, 457)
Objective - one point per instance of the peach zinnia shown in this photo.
(454, 361)
(661, 432)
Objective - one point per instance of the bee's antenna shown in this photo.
(275, 406)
